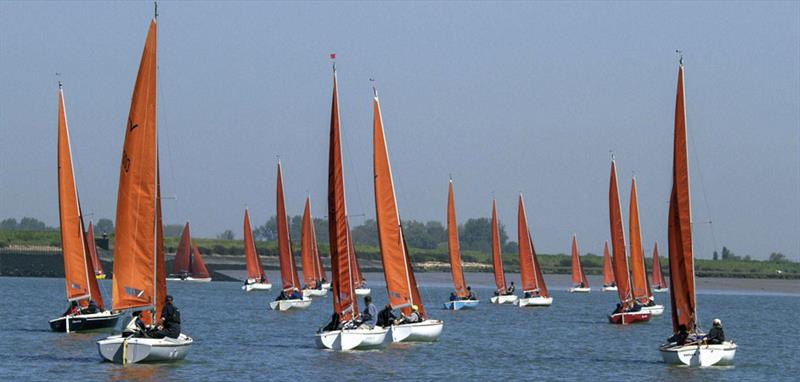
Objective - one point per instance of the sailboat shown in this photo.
(139, 282)
(79, 275)
(681, 260)
(309, 256)
(359, 282)
(188, 265)
(628, 310)
(659, 285)
(579, 282)
(401, 285)
(609, 283)
(290, 297)
(99, 273)
(462, 300)
(639, 284)
(533, 286)
(502, 295)
(256, 277)
(347, 335)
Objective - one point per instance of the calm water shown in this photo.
(237, 337)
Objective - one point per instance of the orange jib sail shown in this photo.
(608, 271)
(681, 257)
(341, 247)
(308, 256)
(619, 259)
(96, 264)
(400, 284)
(529, 271)
(639, 284)
(658, 276)
(578, 277)
(452, 243)
(181, 265)
(285, 256)
(254, 270)
(76, 273)
(497, 256)
(199, 270)
(135, 232)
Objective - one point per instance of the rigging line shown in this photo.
(703, 189)
(167, 133)
(359, 195)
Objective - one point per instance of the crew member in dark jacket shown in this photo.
(680, 337)
(716, 335)
(170, 321)
(386, 316)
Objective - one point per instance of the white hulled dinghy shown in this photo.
(639, 283)
(462, 297)
(256, 277)
(86, 310)
(533, 286)
(401, 286)
(695, 349)
(188, 265)
(347, 331)
(659, 285)
(313, 275)
(139, 282)
(609, 282)
(290, 296)
(579, 282)
(502, 293)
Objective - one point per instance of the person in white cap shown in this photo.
(716, 335)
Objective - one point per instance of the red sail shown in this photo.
(309, 258)
(254, 270)
(181, 264)
(96, 264)
(319, 272)
(342, 255)
(578, 277)
(658, 276)
(199, 270)
(358, 278)
(681, 257)
(452, 244)
(608, 272)
(285, 255)
(529, 270)
(619, 258)
(639, 284)
(401, 287)
(497, 258)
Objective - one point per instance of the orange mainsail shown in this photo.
(79, 277)
(452, 244)
(681, 257)
(658, 276)
(136, 247)
(341, 246)
(497, 257)
(401, 286)
(309, 253)
(639, 284)
(608, 272)
(578, 277)
(182, 263)
(529, 271)
(619, 259)
(255, 272)
(285, 255)
(96, 264)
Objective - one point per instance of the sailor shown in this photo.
(680, 337)
(651, 301)
(91, 308)
(246, 281)
(453, 296)
(318, 284)
(170, 321)
(370, 313)
(411, 318)
(73, 309)
(333, 325)
(618, 309)
(470, 294)
(511, 288)
(296, 295)
(281, 296)
(716, 335)
(386, 316)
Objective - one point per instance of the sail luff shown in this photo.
(618, 256)
(497, 257)
(452, 243)
(134, 247)
(639, 285)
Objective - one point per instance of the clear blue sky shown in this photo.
(507, 97)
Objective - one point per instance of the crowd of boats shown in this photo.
(140, 278)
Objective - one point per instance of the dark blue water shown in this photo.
(237, 337)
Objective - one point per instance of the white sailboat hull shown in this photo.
(359, 338)
(284, 305)
(579, 290)
(535, 301)
(461, 304)
(363, 291)
(699, 354)
(315, 292)
(191, 279)
(256, 287)
(133, 350)
(609, 289)
(655, 310)
(660, 290)
(504, 299)
(425, 331)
